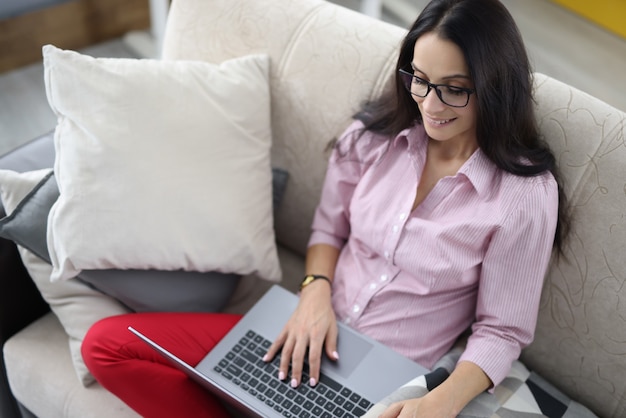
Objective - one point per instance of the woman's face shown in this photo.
(440, 61)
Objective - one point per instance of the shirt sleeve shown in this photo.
(348, 161)
(511, 281)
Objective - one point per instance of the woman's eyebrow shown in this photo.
(448, 77)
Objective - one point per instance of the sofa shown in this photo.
(324, 61)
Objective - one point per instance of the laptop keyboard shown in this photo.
(243, 365)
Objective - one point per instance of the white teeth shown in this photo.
(440, 122)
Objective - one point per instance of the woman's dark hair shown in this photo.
(495, 54)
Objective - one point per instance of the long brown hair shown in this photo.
(494, 51)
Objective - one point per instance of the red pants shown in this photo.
(142, 378)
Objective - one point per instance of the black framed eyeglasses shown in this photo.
(449, 95)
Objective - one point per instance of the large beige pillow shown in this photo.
(76, 304)
(161, 165)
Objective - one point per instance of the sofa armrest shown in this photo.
(20, 304)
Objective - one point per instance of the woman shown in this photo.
(438, 213)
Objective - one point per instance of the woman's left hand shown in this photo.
(428, 406)
(446, 400)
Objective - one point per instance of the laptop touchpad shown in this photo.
(352, 350)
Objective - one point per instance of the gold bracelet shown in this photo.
(310, 278)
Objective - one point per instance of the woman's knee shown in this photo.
(103, 339)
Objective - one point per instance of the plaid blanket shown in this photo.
(523, 394)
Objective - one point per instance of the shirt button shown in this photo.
(383, 278)
(356, 308)
(347, 321)
(395, 228)
(386, 254)
(372, 286)
(402, 216)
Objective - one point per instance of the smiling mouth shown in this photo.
(440, 121)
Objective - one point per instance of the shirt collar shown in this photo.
(478, 169)
(481, 172)
(414, 138)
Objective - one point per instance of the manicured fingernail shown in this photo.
(336, 355)
(294, 383)
(266, 357)
(312, 382)
(281, 376)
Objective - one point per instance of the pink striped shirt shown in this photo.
(474, 252)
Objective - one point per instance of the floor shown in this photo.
(560, 44)
(24, 110)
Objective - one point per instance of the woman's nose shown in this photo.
(432, 101)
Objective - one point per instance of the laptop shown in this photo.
(366, 371)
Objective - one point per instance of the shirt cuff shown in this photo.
(319, 237)
(494, 358)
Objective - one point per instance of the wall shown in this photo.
(610, 14)
(69, 25)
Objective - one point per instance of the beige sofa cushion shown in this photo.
(165, 163)
(41, 375)
(75, 304)
(580, 344)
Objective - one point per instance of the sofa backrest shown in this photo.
(580, 343)
(326, 60)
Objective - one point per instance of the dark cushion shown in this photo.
(33, 155)
(26, 225)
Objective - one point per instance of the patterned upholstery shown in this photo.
(523, 394)
(580, 343)
(325, 61)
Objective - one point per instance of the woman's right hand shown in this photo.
(313, 325)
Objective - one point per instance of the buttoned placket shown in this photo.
(390, 271)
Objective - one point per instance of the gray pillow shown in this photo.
(171, 291)
(26, 225)
(140, 290)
